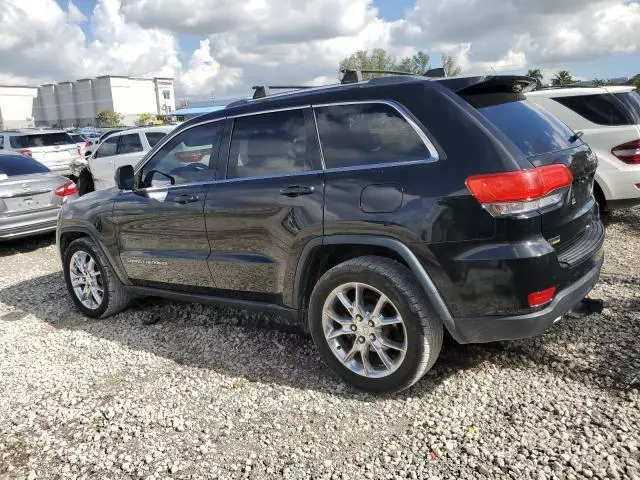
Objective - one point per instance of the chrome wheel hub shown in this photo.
(86, 280)
(364, 330)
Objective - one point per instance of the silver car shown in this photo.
(55, 149)
(30, 196)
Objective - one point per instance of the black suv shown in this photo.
(376, 212)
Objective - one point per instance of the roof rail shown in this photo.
(262, 91)
(355, 76)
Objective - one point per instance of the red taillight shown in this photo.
(25, 151)
(522, 191)
(87, 144)
(628, 152)
(537, 299)
(66, 189)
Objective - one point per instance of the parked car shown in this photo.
(126, 147)
(82, 142)
(378, 213)
(108, 132)
(55, 149)
(609, 118)
(30, 196)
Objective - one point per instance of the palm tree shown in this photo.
(563, 77)
(536, 74)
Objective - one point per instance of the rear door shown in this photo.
(269, 205)
(160, 226)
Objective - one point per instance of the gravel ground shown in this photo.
(166, 390)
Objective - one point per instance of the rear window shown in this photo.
(77, 138)
(533, 130)
(601, 109)
(14, 165)
(36, 140)
(632, 101)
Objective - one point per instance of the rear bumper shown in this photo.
(27, 224)
(494, 328)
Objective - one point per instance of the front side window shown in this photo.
(268, 144)
(367, 134)
(188, 157)
(108, 148)
(154, 137)
(130, 144)
(601, 109)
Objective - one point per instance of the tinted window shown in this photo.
(108, 147)
(77, 138)
(13, 165)
(532, 129)
(632, 101)
(40, 140)
(367, 134)
(130, 143)
(188, 157)
(603, 109)
(268, 144)
(154, 137)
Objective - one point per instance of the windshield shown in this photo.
(533, 130)
(14, 165)
(632, 102)
(36, 140)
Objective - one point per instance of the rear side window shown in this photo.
(130, 144)
(367, 134)
(14, 165)
(154, 137)
(602, 109)
(268, 144)
(533, 130)
(40, 140)
(632, 101)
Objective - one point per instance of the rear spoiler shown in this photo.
(488, 84)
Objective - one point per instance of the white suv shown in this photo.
(55, 149)
(609, 118)
(126, 147)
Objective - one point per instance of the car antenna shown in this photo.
(576, 136)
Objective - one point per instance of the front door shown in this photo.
(269, 205)
(160, 226)
(101, 163)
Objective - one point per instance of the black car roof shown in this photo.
(365, 90)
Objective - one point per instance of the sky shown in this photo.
(222, 47)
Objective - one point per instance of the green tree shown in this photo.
(418, 63)
(144, 119)
(450, 67)
(379, 59)
(108, 118)
(598, 83)
(536, 74)
(635, 81)
(563, 77)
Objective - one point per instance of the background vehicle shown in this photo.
(82, 142)
(609, 117)
(30, 196)
(55, 149)
(382, 212)
(120, 148)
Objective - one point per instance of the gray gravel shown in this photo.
(166, 390)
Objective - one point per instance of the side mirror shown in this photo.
(87, 154)
(124, 177)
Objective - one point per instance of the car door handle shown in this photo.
(296, 191)
(183, 199)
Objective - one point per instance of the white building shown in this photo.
(76, 104)
(16, 106)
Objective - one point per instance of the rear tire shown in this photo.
(85, 183)
(377, 334)
(94, 287)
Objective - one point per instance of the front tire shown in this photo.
(373, 325)
(94, 287)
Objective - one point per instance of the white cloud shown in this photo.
(246, 42)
